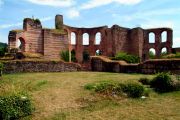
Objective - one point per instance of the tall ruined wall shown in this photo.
(91, 47)
(116, 39)
(120, 39)
(136, 42)
(54, 43)
(33, 35)
(158, 44)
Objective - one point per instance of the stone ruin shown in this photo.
(49, 42)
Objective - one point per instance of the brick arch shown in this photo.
(151, 37)
(91, 47)
(22, 45)
(164, 36)
(96, 39)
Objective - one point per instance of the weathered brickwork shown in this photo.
(39, 66)
(49, 42)
(148, 67)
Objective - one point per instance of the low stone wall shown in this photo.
(175, 50)
(39, 66)
(148, 67)
(164, 65)
(104, 65)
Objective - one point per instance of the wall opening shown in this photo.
(164, 36)
(86, 56)
(164, 51)
(98, 38)
(151, 37)
(98, 52)
(85, 39)
(73, 55)
(152, 53)
(20, 44)
(73, 38)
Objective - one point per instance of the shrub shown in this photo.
(133, 90)
(104, 87)
(14, 107)
(89, 86)
(145, 81)
(126, 57)
(162, 82)
(65, 56)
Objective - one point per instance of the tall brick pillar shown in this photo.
(79, 49)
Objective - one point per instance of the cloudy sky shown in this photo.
(91, 13)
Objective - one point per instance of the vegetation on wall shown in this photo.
(170, 56)
(151, 55)
(126, 57)
(64, 55)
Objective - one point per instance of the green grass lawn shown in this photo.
(61, 96)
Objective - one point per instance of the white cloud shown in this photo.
(46, 19)
(73, 13)
(54, 3)
(176, 42)
(157, 24)
(152, 13)
(4, 26)
(96, 3)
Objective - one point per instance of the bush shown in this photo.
(126, 57)
(14, 107)
(104, 87)
(162, 83)
(134, 90)
(145, 81)
(65, 56)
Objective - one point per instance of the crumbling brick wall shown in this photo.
(116, 39)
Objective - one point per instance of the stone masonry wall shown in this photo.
(53, 44)
(148, 67)
(39, 66)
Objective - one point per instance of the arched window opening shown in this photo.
(164, 51)
(98, 52)
(98, 38)
(152, 53)
(20, 44)
(86, 56)
(85, 39)
(151, 37)
(73, 38)
(164, 36)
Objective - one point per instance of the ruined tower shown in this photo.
(59, 22)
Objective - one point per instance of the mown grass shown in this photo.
(61, 96)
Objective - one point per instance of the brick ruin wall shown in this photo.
(147, 67)
(39, 66)
(38, 40)
(113, 40)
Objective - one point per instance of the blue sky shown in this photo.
(92, 13)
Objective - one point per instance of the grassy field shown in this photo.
(61, 96)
